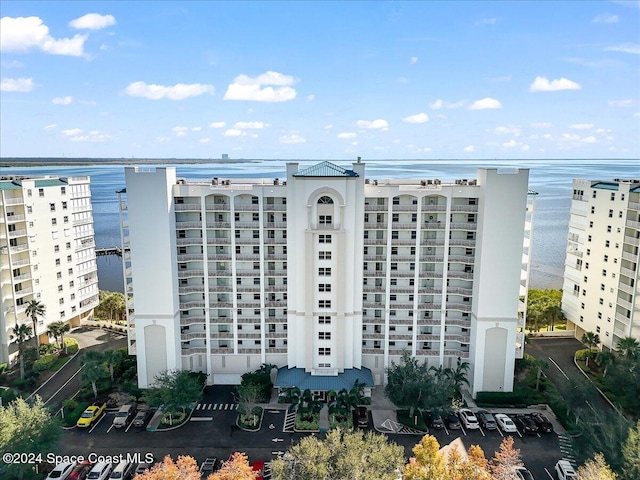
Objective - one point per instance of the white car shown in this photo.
(505, 423)
(100, 471)
(523, 474)
(469, 420)
(61, 471)
(565, 470)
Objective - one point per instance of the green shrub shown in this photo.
(7, 396)
(72, 345)
(488, 399)
(47, 348)
(44, 362)
(71, 417)
(70, 404)
(583, 354)
(172, 419)
(405, 419)
(3, 368)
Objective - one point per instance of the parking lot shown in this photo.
(212, 432)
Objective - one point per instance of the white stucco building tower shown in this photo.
(600, 291)
(47, 254)
(328, 274)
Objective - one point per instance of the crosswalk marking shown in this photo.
(216, 406)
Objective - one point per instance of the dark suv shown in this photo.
(543, 423)
(485, 417)
(434, 420)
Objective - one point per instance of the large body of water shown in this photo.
(550, 178)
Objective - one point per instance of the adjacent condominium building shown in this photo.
(600, 291)
(47, 254)
(327, 274)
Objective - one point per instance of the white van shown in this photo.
(123, 471)
(100, 471)
(124, 414)
(565, 470)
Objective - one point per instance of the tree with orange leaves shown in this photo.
(236, 468)
(185, 468)
(505, 460)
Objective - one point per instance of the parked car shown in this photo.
(544, 425)
(80, 471)
(363, 417)
(505, 423)
(526, 424)
(141, 418)
(142, 467)
(469, 420)
(210, 465)
(100, 471)
(124, 414)
(61, 471)
(452, 422)
(91, 415)
(122, 471)
(565, 470)
(523, 474)
(485, 417)
(434, 420)
(258, 467)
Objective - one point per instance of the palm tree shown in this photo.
(111, 357)
(22, 332)
(629, 347)
(604, 359)
(57, 330)
(35, 309)
(554, 314)
(459, 376)
(591, 340)
(93, 369)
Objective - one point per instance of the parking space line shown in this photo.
(500, 432)
(104, 414)
(463, 430)
(550, 476)
(445, 429)
(558, 367)
(110, 428)
(481, 431)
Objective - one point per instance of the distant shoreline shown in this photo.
(83, 162)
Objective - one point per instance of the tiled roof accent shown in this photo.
(10, 185)
(297, 377)
(605, 185)
(50, 182)
(325, 169)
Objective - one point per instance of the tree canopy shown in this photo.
(596, 469)
(543, 308)
(174, 389)
(27, 428)
(236, 468)
(185, 468)
(342, 455)
(631, 452)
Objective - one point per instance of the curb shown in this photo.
(56, 373)
(259, 426)
(575, 361)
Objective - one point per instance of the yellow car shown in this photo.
(90, 415)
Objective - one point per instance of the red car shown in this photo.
(80, 471)
(258, 467)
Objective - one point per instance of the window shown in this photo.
(56, 248)
(609, 228)
(588, 238)
(602, 287)
(594, 195)
(604, 273)
(41, 192)
(324, 335)
(606, 258)
(256, 234)
(324, 351)
(325, 220)
(394, 234)
(324, 287)
(610, 213)
(613, 196)
(255, 217)
(71, 284)
(324, 238)
(64, 205)
(324, 320)
(57, 262)
(324, 272)
(394, 266)
(325, 200)
(591, 224)
(69, 258)
(59, 288)
(254, 200)
(324, 303)
(54, 221)
(67, 245)
(324, 255)
(601, 301)
(607, 243)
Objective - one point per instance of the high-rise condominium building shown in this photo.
(600, 291)
(327, 274)
(47, 254)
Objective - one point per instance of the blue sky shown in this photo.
(321, 80)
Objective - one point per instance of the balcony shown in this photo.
(193, 336)
(275, 224)
(628, 272)
(15, 218)
(191, 289)
(18, 248)
(220, 288)
(635, 258)
(194, 350)
(185, 207)
(217, 225)
(375, 226)
(82, 221)
(460, 291)
(187, 321)
(433, 258)
(403, 226)
(17, 233)
(375, 208)
(210, 241)
(463, 307)
(464, 208)
(216, 273)
(275, 207)
(429, 306)
(403, 258)
(22, 278)
(455, 274)
(189, 257)
(369, 304)
(469, 226)
(191, 273)
(253, 225)
(434, 208)
(633, 224)
(246, 207)
(631, 240)
(193, 304)
(456, 242)
(247, 241)
(185, 225)
(187, 241)
(433, 226)
(275, 273)
(216, 207)
(454, 337)
(404, 208)
(14, 201)
(377, 241)
(633, 206)
(626, 288)
(275, 288)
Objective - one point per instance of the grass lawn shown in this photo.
(405, 419)
(59, 363)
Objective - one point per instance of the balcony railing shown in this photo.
(216, 207)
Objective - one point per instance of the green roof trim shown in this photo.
(605, 185)
(325, 169)
(50, 182)
(10, 185)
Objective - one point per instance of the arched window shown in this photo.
(325, 200)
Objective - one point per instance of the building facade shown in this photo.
(600, 290)
(47, 253)
(327, 273)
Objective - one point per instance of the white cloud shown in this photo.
(486, 103)
(179, 91)
(196, 129)
(603, 130)
(605, 18)
(22, 34)
(541, 124)
(91, 136)
(526, 148)
(582, 126)
(68, 100)
(440, 104)
(93, 21)
(469, 148)
(234, 132)
(568, 136)
(623, 103)
(311, 98)
(254, 89)
(417, 118)
(636, 115)
(542, 84)
(293, 138)
(16, 85)
(377, 124)
(218, 124)
(413, 60)
(204, 140)
(508, 130)
(245, 125)
(49, 127)
(354, 143)
(510, 144)
(590, 139)
(72, 132)
(11, 64)
(180, 131)
(328, 127)
(347, 135)
(547, 136)
(628, 47)
(486, 21)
